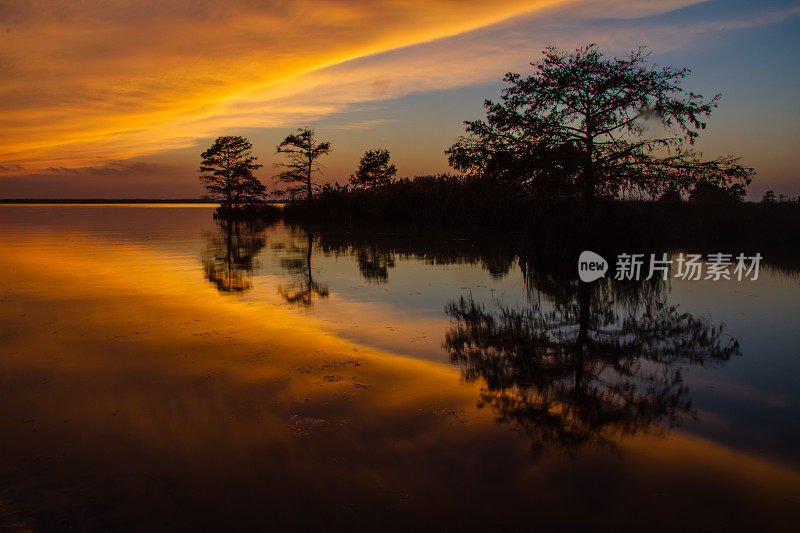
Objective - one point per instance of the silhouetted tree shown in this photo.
(580, 119)
(302, 152)
(671, 196)
(737, 192)
(769, 197)
(709, 193)
(374, 169)
(227, 172)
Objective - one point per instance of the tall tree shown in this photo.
(227, 172)
(302, 152)
(374, 169)
(605, 126)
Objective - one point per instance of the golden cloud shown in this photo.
(86, 81)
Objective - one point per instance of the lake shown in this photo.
(163, 370)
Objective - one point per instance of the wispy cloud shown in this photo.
(83, 84)
(84, 80)
(363, 124)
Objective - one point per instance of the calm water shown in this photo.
(161, 370)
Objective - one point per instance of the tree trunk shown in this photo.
(589, 179)
(308, 178)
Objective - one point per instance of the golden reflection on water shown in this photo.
(133, 394)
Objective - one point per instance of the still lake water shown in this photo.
(160, 370)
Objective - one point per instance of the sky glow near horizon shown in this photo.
(118, 98)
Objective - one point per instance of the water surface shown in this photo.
(160, 369)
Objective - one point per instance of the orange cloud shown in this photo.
(84, 85)
(88, 82)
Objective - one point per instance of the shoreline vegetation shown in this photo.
(451, 202)
(588, 148)
(560, 231)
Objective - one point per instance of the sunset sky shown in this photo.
(117, 98)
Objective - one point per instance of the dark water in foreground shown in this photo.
(159, 370)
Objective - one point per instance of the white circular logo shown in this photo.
(591, 266)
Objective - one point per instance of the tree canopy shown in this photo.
(227, 172)
(374, 169)
(302, 152)
(595, 125)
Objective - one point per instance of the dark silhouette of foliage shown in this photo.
(302, 152)
(229, 259)
(737, 192)
(582, 121)
(709, 194)
(449, 203)
(227, 172)
(442, 199)
(671, 196)
(769, 197)
(374, 170)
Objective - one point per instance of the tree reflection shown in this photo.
(304, 289)
(585, 363)
(376, 253)
(229, 259)
(374, 264)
